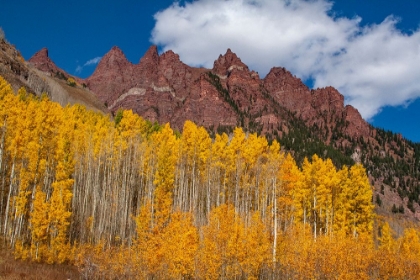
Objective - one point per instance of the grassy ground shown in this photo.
(18, 269)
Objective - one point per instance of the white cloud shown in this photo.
(92, 61)
(79, 69)
(372, 66)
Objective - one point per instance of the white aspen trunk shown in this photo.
(354, 226)
(236, 189)
(314, 212)
(2, 193)
(12, 176)
(275, 218)
(208, 195)
(193, 190)
(320, 217)
(327, 225)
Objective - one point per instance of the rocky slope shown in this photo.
(161, 88)
(40, 75)
(42, 62)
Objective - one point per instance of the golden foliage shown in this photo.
(133, 199)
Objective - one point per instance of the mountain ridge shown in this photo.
(280, 106)
(155, 72)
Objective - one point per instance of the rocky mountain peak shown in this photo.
(357, 126)
(170, 56)
(42, 62)
(115, 57)
(228, 62)
(150, 57)
(281, 77)
(42, 54)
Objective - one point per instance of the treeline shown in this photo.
(127, 198)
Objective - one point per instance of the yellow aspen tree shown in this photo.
(218, 173)
(387, 255)
(386, 239)
(270, 194)
(302, 194)
(201, 181)
(37, 134)
(131, 125)
(330, 182)
(155, 213)
(145, 257)
(5, 88)
(164, 178)
(409, 245)
(257, 251)
(252, 151)
(180, 246)
(8, 110)
(27, 148)
(342, 203)
(122, 183)
(320, 193)
(290, 177)
(195, 146)
(60, 202)
(295, 259)
(39, 227)
(360, 201)
(222, 246)
(235, 166)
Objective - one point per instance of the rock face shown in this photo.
(42, 62)
(162, 88)
(112, 77)
(39, 75)
(12, 65)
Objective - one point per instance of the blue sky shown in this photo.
(368, 50)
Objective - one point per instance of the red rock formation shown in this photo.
(162, 88)
(225, 64)
(112, 77)
(41, 61)
(356, 125)
(288, 91)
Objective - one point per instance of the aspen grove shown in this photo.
(127, 198)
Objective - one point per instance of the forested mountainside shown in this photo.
(129, 198)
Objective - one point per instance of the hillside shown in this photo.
(40, 75)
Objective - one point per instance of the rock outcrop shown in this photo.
(112, 77)
(42, 62)
(39, 75)
(162, 88)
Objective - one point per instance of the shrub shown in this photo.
(71, 82)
